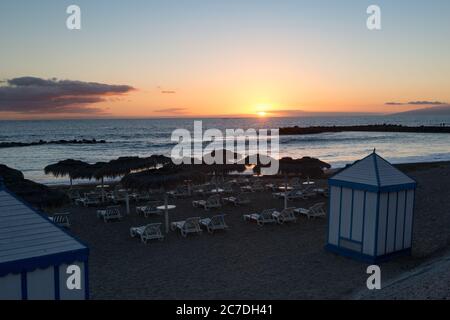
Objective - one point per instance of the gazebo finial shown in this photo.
(374, 150)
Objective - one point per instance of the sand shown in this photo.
(248, 261)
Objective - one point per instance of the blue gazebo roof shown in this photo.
(29, 240)
(373, 173)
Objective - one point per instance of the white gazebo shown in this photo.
(371, 211)
(38, 259)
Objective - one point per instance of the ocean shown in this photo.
(143, 137)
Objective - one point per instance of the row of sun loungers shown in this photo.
(193, 225)
(286, 215)
(216, 202)
(189, 226)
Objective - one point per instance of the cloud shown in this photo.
(433, 103)
(171, 110)
(168, 92)
(37, 95)
(419, 103)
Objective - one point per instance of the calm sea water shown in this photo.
(152, 136)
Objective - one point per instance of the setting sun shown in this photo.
(262, 113)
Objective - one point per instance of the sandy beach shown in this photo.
(247, 261)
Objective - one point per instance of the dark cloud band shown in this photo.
(37, 95)
(417, 103)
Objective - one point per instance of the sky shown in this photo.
(188, 58)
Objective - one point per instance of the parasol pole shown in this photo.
(103, 192)
(285, 192)
(127, 202)
(166, 212)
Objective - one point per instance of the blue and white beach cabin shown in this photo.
(371, 211)
(37, 258)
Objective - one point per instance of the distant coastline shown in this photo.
(42, 142)
(364, 128)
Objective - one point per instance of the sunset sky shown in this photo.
(144, 58)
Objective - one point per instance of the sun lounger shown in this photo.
(271, 187)
(315, 211)
(261, 218)
(210, 203)
(291, 195)
(180, 192)
(120, 196)
(142, 196)
(190, 225)
(214, 223)
(246, 189)
(257, 186)
(286, 215)
(147, 210)
(73, 195)
(110, 213)
(89, 199)
(61, 219)
(295, 183)
(322, 191)
(240, 199)
(149, 232)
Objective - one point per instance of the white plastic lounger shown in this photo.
(90, 199)
(238, 200)
(291, 195)
(315, 211)
(149, 232)
(261, 218)
(214, 223)
(190, 225)
(212, 202)
(61, 219)
(179, 192)
(110, 213)
(287, 215)
(147, 211)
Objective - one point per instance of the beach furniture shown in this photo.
(214, 223)
(35, 255)
(246, 189)
(179, 192)
(148, 232)
(271, 187)
(73, 194)
(120, 195)
(210, 203)
(291, 195)
(286, 215)
(266, 216)
(148, 210)
(371, 211)
(89, 199)
(190, 225)
(295, 183)
(61, 219)
(238, 200)
(322, 191)
(315, 211)
(228, 188)
(110, 213)
(257, 186)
